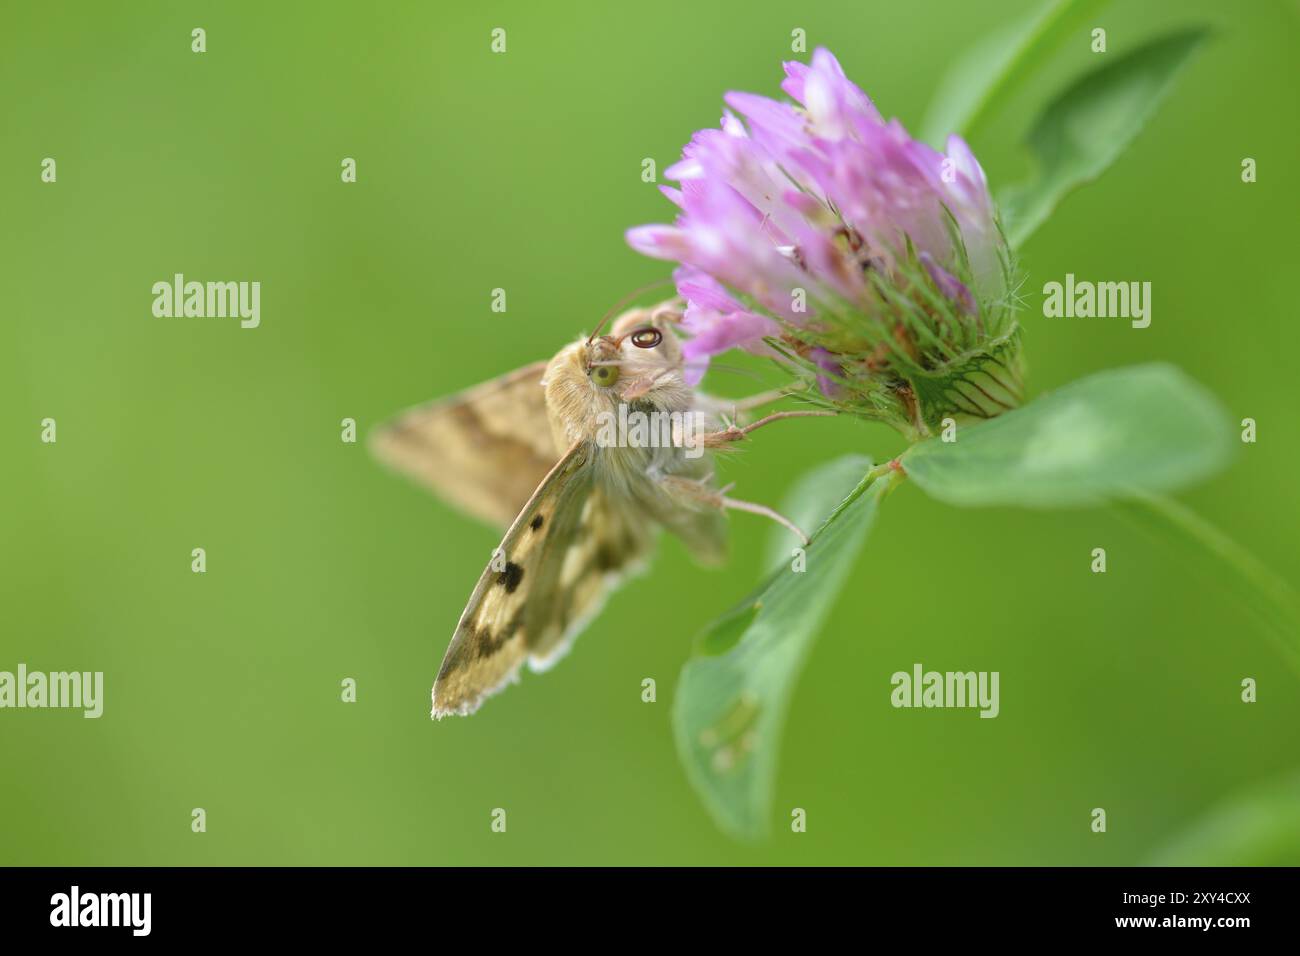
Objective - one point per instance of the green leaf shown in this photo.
(1084, 130)
(1116, 434)
(1260, 827)
(733, 693)
(1262, 594)
(988, 76)
(812, 498)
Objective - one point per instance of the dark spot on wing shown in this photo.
(476, 646)
(510, 577)
(606, 557)
(486, 645)
(468, 418)
(536, 523)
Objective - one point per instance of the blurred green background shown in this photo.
(521, 171)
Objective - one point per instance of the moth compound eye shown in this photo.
(604, 375)
(647, 338)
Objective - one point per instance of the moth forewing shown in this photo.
(592, 546)
(558, 560)
(489, 643)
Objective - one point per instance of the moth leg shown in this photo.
(641, 386)
(700, 492)
(735, 432)
(757, 401)
(766, 512)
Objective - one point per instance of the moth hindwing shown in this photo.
(484, 450)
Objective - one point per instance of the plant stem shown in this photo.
(1268, 596)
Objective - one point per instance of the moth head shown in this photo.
(638, 360)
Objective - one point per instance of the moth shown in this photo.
(540, 452)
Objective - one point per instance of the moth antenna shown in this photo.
(734, 370)
(624, 301)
